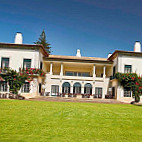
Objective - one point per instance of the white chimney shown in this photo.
(18, 38)
(137, 46)
(78, 54)
(109, 55)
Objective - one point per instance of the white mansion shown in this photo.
(72, 76)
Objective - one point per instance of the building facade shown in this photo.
(71, 76)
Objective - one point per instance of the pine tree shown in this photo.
(42, 40)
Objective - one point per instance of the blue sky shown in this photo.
(96, 27)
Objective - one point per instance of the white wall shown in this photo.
(16, 57)
(135, 61)
(49, 81)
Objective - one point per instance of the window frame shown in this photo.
(66, 88)
(26, 64)
(126, 69)
(88, 88)
(25, 88)
(3, 86)
(80, 74)
(128, 93)
(97, 92)
(56, 91)
(3, 60)
(77, 88)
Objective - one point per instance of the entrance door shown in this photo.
(113, 92)
(54, 90)
(39, 87)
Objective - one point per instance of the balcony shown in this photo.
(82, 78)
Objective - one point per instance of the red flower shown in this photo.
(1, 79)
(133, 78)
(137, 83)
(14, 79)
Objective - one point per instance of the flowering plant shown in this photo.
(32, 71)
(14, 79)
(132, 81)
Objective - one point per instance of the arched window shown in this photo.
(77, 88)
(87, 88)
(66, 87)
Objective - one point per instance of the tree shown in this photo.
(42, 40)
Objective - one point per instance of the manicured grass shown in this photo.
(37, 121)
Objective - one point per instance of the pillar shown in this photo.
(94, 71)
(104, 72)
(60, 87)
(71, 89)
(61, 72)
(51, 66)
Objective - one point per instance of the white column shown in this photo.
(93, 88)
(61, 72)
(94, 71)
(82, 88)
(71, 89)
(103, 93)
(60, 87)
(34, 88)
(104, 72)
(51, 65)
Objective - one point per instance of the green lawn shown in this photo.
(37, 121)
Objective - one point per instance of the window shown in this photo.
(113, 91)
(69, 73)
(88, 88)
(3, 86)
(66, 87)
(127, 69)
(4, 62)
(26, 87)
(77, 88)
(79, 74)
(27, 63)
(84, 74)
(98, 92)
(54, 89)
(127, 92)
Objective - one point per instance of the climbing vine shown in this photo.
(16, 79)
(132, 81)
